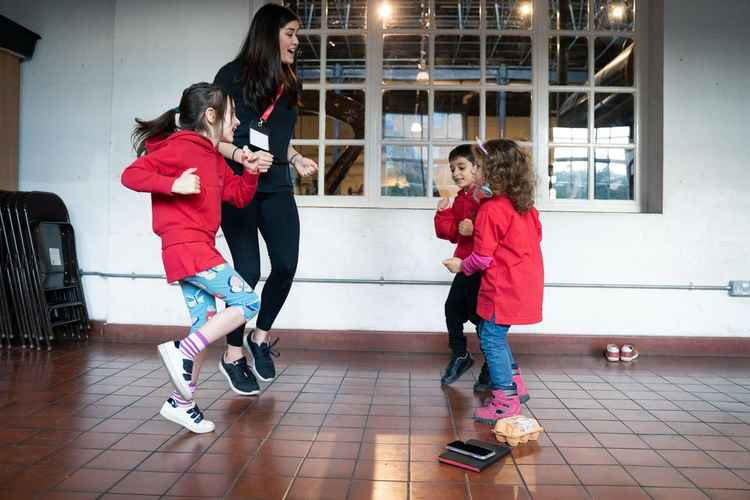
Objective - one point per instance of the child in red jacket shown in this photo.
(507, 250)
(455, 223)
(188, 179)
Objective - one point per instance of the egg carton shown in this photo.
(517, 430)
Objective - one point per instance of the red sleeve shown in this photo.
(489, 229)
(146, 175)
(537, 223)
(238, 189)
(446, 227)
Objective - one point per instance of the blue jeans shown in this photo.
(494, 341)
(222, 282)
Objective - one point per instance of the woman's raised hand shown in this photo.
(187, 183)
(305, 166)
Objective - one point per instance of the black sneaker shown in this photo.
(483, 383)
(239, 377)
(457, 366)
(260, 360)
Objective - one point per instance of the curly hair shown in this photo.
(507, 170)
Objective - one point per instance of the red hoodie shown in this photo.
(465, 206)
(187, 224)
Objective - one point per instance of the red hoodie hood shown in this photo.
(156, 143)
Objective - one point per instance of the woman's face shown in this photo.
(288, 42)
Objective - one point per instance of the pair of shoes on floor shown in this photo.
(499, 406)
(626, 353)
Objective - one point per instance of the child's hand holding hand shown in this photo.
(453, 264)
(187, 183)
(466, 227)
(259, 161)
(444, 203)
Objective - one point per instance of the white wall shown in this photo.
(101, 63)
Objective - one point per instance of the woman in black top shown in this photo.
(263, 81)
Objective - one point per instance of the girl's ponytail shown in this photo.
(164, 125)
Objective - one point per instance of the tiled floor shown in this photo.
(82, 422)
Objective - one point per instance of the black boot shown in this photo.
(457, 366)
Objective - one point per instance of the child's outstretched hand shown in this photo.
(466, 227)
(187, 183)
(444, 203)
(453, 264)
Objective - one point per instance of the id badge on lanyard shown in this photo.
(259, 131)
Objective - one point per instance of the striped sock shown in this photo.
(192, 387)
(516, 370)
(181, 403)
(194, 343)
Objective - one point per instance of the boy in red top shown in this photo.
(507, 250)
(188, 180)
(455, 223)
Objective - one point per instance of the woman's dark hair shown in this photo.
(196, 99)
(261, 69)
(506, 168)
(464, 151)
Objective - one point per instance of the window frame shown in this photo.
(540, 33)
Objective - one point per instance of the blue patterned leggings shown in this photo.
(219, 282)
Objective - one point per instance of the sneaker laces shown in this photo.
(196, 414)
(266, 348)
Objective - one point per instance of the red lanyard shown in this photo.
(269, 109)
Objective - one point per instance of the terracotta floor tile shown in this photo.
(378, 490)
(326, 468)
(345, 450)
(617, 493)
(547, 474)
(637, 457)
(658, 476)
(118, 460)
(434, 472)
(612, 475)
(318, 489)
(715, 478)
(146, 483)
(587, 456)
(268, 465)
(675, 494)
(550, 492)
(437, 491)
(732, 459)
(689, 458)
(94, 480)
(202, 485)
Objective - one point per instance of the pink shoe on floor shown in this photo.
(500, 406)
(523, 392)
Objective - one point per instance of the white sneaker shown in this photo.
(179, 367)
(612, 353)
(190, 417)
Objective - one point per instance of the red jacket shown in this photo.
(512, 287)
(187, 224)
(465, 206)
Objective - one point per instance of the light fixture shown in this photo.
(416, 127)
(385, 11)
(423, 76)
(617, 12)
(525, 9)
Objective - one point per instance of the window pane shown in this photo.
(406, 14)
(307, 121)
(615, 173)
(305, 185)
(568, 117)
(309, 12)
(508, 59)
(456, 115)
(405, 58)
(405, 114)
(308, 58)
(568, 172)
(457, 14)
(345, 170)
(345, 114)
(456, 59)
(614, 15)
(614, 62)
(508, 115)
(509, 14)
(613, 118)
(569, 14)
(568, 61)
(345, 59)
(404, 170)
(442, 181)
(347, 14)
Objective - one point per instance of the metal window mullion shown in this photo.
(592, 140)
(322, 107)
(540, 99)
(373, 120)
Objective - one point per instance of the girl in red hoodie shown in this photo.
(188, 179)
(507, 251)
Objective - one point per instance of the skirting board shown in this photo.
(522, 343)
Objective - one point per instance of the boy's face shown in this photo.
(463, 171)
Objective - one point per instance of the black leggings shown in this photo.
(460, 307)
(275, 216)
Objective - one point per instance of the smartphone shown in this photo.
(471, 450)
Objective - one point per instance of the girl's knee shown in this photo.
(247, 303)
